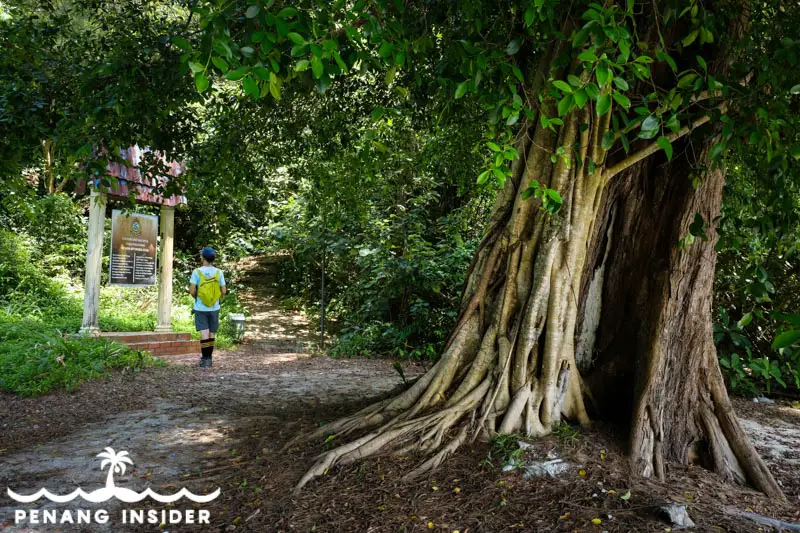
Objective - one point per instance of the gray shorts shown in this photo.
(206, 320)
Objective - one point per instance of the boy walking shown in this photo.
(207, 286)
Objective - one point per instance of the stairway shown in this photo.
(158, 344)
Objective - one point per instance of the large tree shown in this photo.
(77, 75)
(592, 289)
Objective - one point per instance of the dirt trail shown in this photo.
(223, 428)
(180, 423)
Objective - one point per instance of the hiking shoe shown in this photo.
(209, 362)
(204, 362)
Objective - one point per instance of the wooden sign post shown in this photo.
(133, 238)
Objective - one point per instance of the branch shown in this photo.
(699, 97)
(653, 147)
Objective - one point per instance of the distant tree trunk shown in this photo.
(602, 279)
(47, 160)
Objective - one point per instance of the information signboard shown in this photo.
(133, 249)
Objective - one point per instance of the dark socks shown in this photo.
(207, 350)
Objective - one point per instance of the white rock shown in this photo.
(677, 515)
(551, 468)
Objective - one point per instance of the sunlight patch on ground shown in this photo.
(779, 439)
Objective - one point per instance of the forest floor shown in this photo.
(224, 428)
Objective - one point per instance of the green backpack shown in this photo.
(209, 291)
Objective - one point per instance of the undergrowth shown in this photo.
(36, 359)
(41, 311)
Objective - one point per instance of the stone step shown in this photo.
(135, 337)
(157, 343)
(168, 347)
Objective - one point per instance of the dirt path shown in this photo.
(178, 423)
(224, 428)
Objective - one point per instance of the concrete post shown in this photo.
(164, 316)
(94, 263)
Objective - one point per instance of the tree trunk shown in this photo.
(599, 287)
(653, 360)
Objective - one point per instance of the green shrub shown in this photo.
(57, 225)
(36, 359)
(757, 294)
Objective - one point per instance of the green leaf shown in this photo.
(513, 47)
(494, 147)
(603, 104)
(552, 200)
(461, 89)
(626, 496)
(529, 16)
(786, 339)
(686, 80)
(287, 12)
(564, 105)
(665, 145)
(651, 123)
(220, 63)
(602, 74)
(377, 113)
(622, 100)
(608, 140)
(592, 91)
(389, 78)
(621, 84)
(483, 177)
(386, 49)
(341, 63)
(299, 50)
(250, 87)
(564, 86)
(588, 56)
(181, 43)
(580, 98)
(529, 193)
(262, 73)
(237, 74)
(302, 65)
(624, 50)
(317, 67)
(702, 63)
(746, 319)
(201, 82)
(689, 39)
(196, 67)
(252, 11)
(296, 38)
(795, 89)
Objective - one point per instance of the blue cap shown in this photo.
(208, 254)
